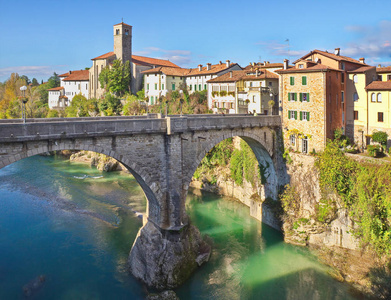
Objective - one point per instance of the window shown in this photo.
(292, 114)
(304, 80)
(126, 31)
(292, 80)
(304, 97)
(250, 84)
(343, 77)
(155, 86)
(151, 100)
(78, 87)
(301, 66)
(147, 86)
(380, 117)
(355, 97)
(355, 80)
(190, 87)
(355, 115)
(204, 86)
(293, 140)
(378, 97)
(342, 97)
(373, 97)
(253, 99)
(388, 77)
(195, 87)
(270, 83)
(342, 65)
(162, 86)
(292, 96)
(380, 77)
(305, 115)
(305, 145)
(117, 31)
(173, 86)
(199, 87)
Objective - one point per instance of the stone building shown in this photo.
(313, 94)
(123, 51)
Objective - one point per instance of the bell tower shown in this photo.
(123, 42)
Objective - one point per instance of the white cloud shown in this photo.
(373, 42)
(282, 50)
(39, 72)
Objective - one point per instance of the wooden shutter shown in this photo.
(295, 96)
(295, 115)
(308, 97)
(301, 97)
(304, 80)
(301, 115)
(308, 116)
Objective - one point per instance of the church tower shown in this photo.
(123, 42)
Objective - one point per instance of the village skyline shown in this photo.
(57, 37)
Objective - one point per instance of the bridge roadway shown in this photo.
(162, 154)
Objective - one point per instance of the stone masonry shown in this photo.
(162, 154)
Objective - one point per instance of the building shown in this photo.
(160, 80)
(72, 83)
(244, 91)
(313, 94)
(123, 51)
(384, 73)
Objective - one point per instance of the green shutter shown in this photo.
(289, 96)
(173, 86)
(295, 95)
(289, 114)
(204, 86)
(195, 87)
(308, 97)
(292, 80)
(301, 115)
(162, 86)
(304, 80)
(295, 115)
(147, 86)
(308, 116)
(301, 97)
(199, 87)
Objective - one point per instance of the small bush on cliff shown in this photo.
(290, 201)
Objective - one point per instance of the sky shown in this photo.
(41, 37)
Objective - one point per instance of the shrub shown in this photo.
(373, 150)
(223, 93)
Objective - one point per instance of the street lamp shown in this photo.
(181, 100)
(24, 100)
(165, 96)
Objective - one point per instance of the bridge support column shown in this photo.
(166, 253)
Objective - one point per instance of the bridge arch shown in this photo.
(149, 187)
(263, 144)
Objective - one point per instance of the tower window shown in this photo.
(126, 31)
(117, 31)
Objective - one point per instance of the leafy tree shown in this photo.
(52, 114)
(132, 106)
(380, 137)
(116, 79)
(34, 82)
(54, 81)
(110, 105)
(26, 79)
(81, 107)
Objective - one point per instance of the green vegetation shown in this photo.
(365, 190)
(381, 138)
(116, 79)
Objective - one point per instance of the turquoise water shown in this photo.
(76, 225)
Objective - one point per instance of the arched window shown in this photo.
(355, 78)
(355, 97)
(373, 97)
(379, 97)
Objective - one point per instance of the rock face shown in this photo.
(164, 259)
(101, 161)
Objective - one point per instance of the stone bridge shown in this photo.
(162, 154)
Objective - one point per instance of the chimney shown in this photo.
(227, 62)
(70, 72)
(230, 74)
(220, 62)
(286, 63)
(208, 66)
(199, 67)
(268, 62)
(337, 51)
(362, 60)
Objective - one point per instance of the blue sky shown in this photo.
(41, 37)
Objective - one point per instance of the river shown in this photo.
(75, 225)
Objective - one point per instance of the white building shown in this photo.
(72, 84)
(160, 80)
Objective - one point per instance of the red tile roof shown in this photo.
(82, 75)
(379, 86)
(142, 60)
(315, 68)
(122, 24)
(56, 88)
(234, 76)
(103, 56)
(362, 69)
(384, 69)
(263, 74)
(332, 56)
(213, 69)
(167, 71)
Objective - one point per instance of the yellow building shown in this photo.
(384, 73)
(379, 108)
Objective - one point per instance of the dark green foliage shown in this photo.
(365, 190)
(116, 79)
(110, 105)
(81, 107)
(326, 210)
(221, 153)
(380, 137)
(236, 166)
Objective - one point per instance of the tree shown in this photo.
(34, 82)
(110, 105)
(81, 107)
(54, 81)
(380, 137)
(116, 79)
(26, 79)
